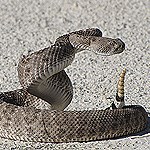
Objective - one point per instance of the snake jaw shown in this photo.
(120, 46)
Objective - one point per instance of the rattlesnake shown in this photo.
(45, 82)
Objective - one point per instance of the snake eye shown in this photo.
(92, 39)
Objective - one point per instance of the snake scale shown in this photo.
(45, 83)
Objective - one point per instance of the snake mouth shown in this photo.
(121, 46)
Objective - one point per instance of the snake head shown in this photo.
(106, 46)
(99, 45)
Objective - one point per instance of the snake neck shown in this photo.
(68, 40)
(80, 42)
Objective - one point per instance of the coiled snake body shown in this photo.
(45, 82)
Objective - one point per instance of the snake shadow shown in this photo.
(144, 132)
(147, 130)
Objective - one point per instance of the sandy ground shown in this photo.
(33, 24)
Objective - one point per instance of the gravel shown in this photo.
(34, 24)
